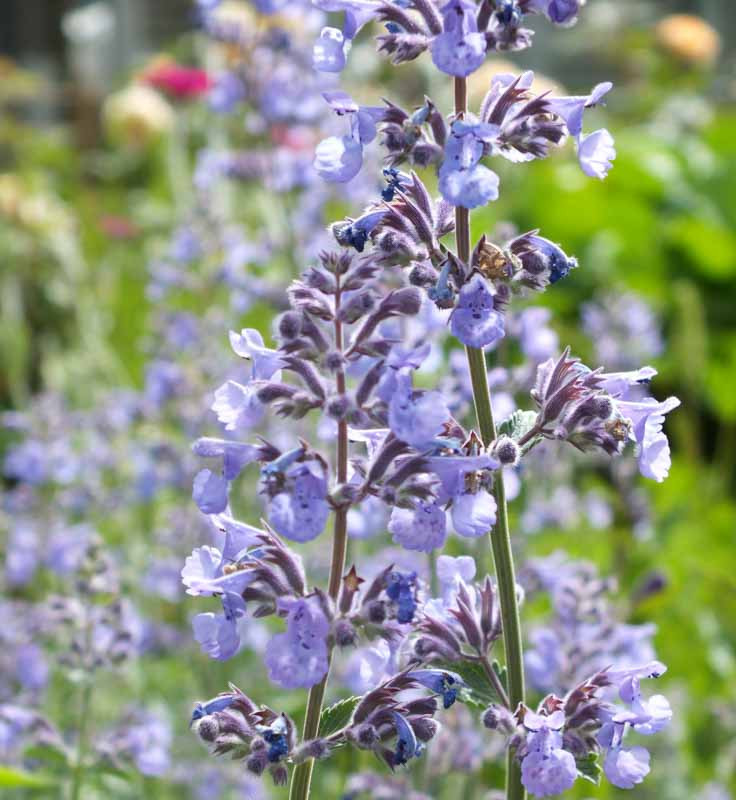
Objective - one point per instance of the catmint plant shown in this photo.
(343, 353)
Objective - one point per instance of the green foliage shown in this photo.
(337, 716)
(19, 779)
(589, 768)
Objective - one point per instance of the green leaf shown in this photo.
(589, 768)
(11, 778)
(337, 715)
(518, 424)
(479, 691)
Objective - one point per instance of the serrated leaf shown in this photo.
(589, 768)
(518, 424)
(479, 691)
(337, 715)
(19, 779)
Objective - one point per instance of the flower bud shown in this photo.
(425, 153)
(423, 274)
(334, 361)
(506, 450)
(425, 728)
(498, 718)
(257, 762)
(208, 729)
(338, 406)
(603, 407)
(364, 736)
(345, 634)
(289, 325)
(377, 612)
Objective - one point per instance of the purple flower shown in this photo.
(237, 406)
(416, 417)
(217, 634)
(28, 462)
(626, 767)
(209, 492)
(547, 769)
(338, 159)
(596, 152)
(474, 320)
(545, 774)
(463, 180)
(31, 667)
(297, 659)
(203, 573)
(571, 109)
(422, 528)
(561, 12)
(407, 746)
(460, 49)
(542, 260)
(234, 455)
(647, 418)
(227, 91)
(300, 511)
(249, 344)
(473, 513)
(440, 681)
(330, 51)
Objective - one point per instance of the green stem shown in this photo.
(84, 709)
(500, 537)
(302, 777)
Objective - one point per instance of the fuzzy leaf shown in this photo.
(589, 768)
(337, 715)
(518, 424)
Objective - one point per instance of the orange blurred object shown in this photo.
(689, 38)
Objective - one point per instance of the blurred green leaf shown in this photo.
(11, 778)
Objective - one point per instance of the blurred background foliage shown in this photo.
(82, 213)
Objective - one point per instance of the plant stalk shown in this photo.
(499, 536)
(75, 792)
(302, 777)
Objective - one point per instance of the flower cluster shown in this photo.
(349, 349)
(561, 740)
(394, 721)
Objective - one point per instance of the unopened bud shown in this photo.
(334, 361)
(290, 325)
(377, 612)
(364, 736)
(506, 450)
(498, 718)
(423, 274)
(345, 634)
(425, 728)
(338, 406)
(257, 762)
(208, 730)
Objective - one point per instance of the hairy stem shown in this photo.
(499, 537)
(302, 778)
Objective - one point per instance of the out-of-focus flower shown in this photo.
(178, 81)
(689, 38)
(137, 116)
